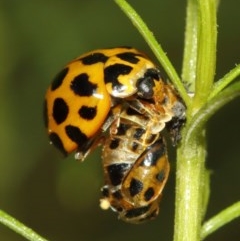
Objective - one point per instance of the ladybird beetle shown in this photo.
(134, 156)
(117, 98)
(80, 97)
(136, 169)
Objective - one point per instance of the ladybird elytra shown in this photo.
(85, 100)
(153, 168)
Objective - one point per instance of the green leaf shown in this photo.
(19, 227)
(225, 81)
(222, 218)
(202, 116)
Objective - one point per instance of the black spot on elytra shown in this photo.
(87, 113)
(57, 81)
(114, 144)
(56, 141)
(161, 176)
(122, 129)
(153, 154)
(136, 187)
(60, 110)
(138, 133)
(137, 212)
(149, 194)
(94, 58)
(82, 86)
(112, 72)
(135, 145)
(129, 57)
(75, 134)
(116, 172)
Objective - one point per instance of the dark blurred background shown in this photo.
(57, 197)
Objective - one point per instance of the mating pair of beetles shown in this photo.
(116, 98)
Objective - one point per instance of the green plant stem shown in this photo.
(210, 108)
(226, 80)
(206, 55)
(190, 46)
(220, 219)
(190, 178)
(190, 182)
(156, 48)
(19, 227)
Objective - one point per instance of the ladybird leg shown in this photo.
(88, 147)
(146, 107)
(146, 115)
(113, 115)
(140, 129)
(148, 176)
